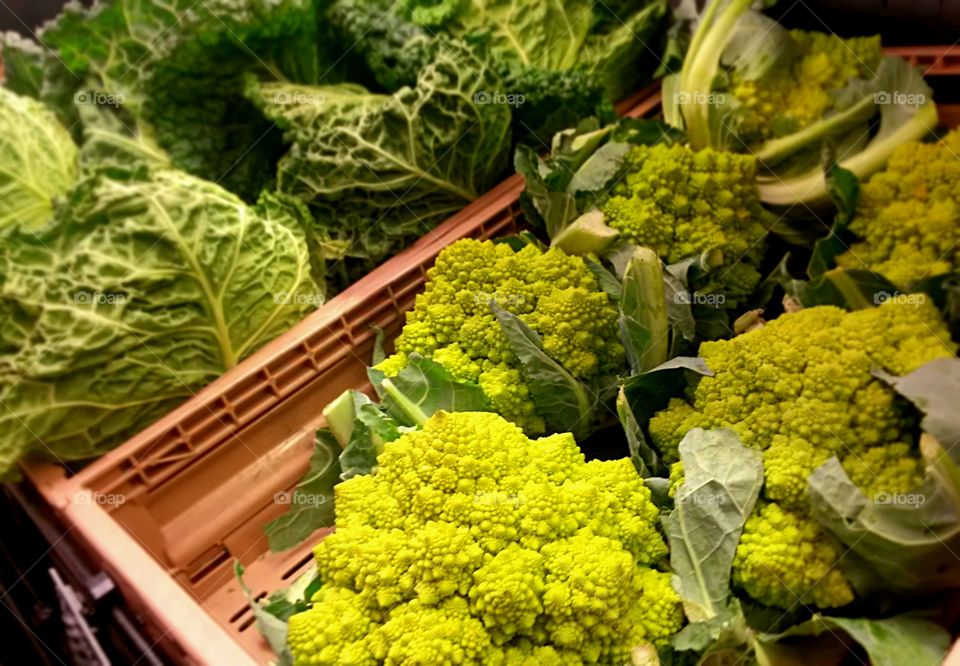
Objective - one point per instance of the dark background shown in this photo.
(899, 21)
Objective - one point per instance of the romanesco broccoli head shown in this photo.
(480, 545)
(554, 293)
(681, 203)
(785, 559)
(801, 389)
(908, 216)
(782, 102)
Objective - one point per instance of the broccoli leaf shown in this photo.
(844, 190)
(722, 480)
(380, 170)
(312, 500)
(907, 540)
(272, 627)
(644, 458)
(891, 641)
(934, 388)
(361, 428)
(564, 403)
(424, 387)
(38, 161)
(146, 285)
(649, 392)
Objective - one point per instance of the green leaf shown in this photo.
(556, 209)
(146, 285)
(907, 540)
(363, 438)
(644, 458)
(644, 324)
(649, 392)
(293, 599)
(564, 403)
(38, 161)
(425, 387)
(848, 289)
(722, 480)
(934, 388)
(312, 500)
(378, 171)
(844, 190)
(271, 627)
(892, 641)
(177, 69)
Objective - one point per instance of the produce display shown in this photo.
(700, 410)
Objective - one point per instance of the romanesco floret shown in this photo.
(782, 102)
(801, 389)
(554, 293)
(784, 559)
(908, 215)
(681, 203)
(494, 549)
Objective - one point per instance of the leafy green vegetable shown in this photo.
(565, 403)
(891, 641)
(176, 69)
(272, 627)
(145, 286)
(424, 387)
(38, 161)
(312, 501)
(722, 480)
(380, 170)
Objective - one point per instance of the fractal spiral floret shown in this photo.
(476, 545)
(553, 293)
(801, 389)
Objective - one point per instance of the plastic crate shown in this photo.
(167, 512)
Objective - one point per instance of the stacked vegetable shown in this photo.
(183, 181)
(803, 466)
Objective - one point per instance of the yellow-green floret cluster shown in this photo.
(908, 215)
(800, 389)
(475, 544)
(552, 292)
(682, 203)
(782, 102)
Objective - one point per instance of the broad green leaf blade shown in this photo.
(907, 540)
(644, 458)
(556, 209)
(650, 391)
(272, 628)
(146, 286)
(564, 403)
(427, 387)
(373, 430)
(934, 388)
(294, 599)
(722, 480)
(38, 161)
(844, 190)
(312, 501)
(893, 641)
